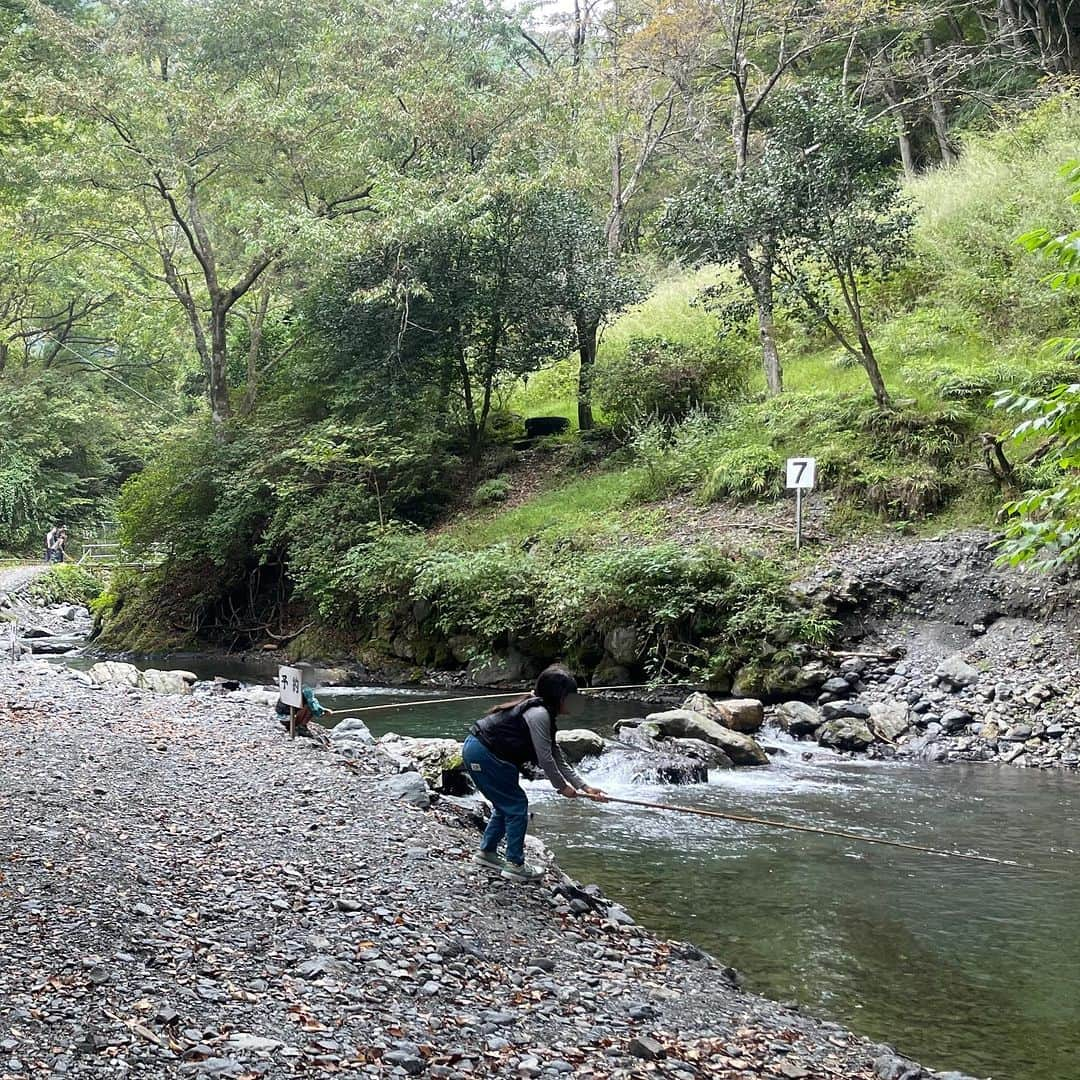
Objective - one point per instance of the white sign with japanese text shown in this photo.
(291, 685)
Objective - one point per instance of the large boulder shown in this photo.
(798, 719)
(850, 710)
(890, 719)
(500, 670)
(408, 787)
(168, 682)
(739, 714)
(623, 645)
(161, 682)
(579, 743)
(712, 757)
(685, 723)
(650, 759)
(437, 760)
(112, 671)
(956, 673)
(352, 730)
(845, 733)
(775, 681)
(608, 673)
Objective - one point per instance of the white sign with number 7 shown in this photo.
(801, 473)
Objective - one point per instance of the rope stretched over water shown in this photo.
(747, 819)
(489, 697)
(742, 818)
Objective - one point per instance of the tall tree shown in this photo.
(213, 161)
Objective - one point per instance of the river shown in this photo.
(962, 965)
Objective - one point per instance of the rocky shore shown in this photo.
(945, 657)
(185, 892)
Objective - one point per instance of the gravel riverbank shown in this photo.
(184, 892)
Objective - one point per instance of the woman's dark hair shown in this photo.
(553, 686)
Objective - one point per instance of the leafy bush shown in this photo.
(665, 380)
(491, 594)
(677, 458)
(66, 584)
(907, 492)
(371, 578)
(495, 490)
(745, 472)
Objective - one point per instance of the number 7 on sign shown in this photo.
(801, 473)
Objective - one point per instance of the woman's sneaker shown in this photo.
(489, 860)
(522, 872)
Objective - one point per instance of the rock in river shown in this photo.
(798, 719)
(579, 743)
(738, 714)
(685, 723)
(845, 733)
(890, 719)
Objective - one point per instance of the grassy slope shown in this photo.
(971, 302)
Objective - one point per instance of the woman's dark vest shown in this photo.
(506, 734)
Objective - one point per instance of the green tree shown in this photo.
(461, 305)
(834, 170)
(591, 284)
(818, 214)
(216, 168)
(1044, 525)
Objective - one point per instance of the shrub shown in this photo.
(372, 577)
(745, 472)
(665, 380)
(490, 594)
(907, 492)
(66, 584)
(496, 490)
(677, 458)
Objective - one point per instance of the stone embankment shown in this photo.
(950, 657)
(185, 892)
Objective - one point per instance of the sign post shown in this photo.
(291, 691)
(801, 474)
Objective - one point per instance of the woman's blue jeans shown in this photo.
(498, 781)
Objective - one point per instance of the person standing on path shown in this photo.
(511, 736)
(50, 540)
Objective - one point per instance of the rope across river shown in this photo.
(745, 819)
(791, 826)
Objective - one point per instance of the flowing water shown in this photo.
(963, 965)
(959, 964)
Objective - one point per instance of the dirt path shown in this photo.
(15, 578)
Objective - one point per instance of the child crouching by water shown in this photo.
(310, 710)
(511, 736)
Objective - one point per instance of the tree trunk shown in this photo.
(869, 362)
(4, 347)
(774, 374)
(587, 331)
(466, 389)
(760, 282)
(903, 135)
(616, 218)
(938, 115)
(217, 374)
